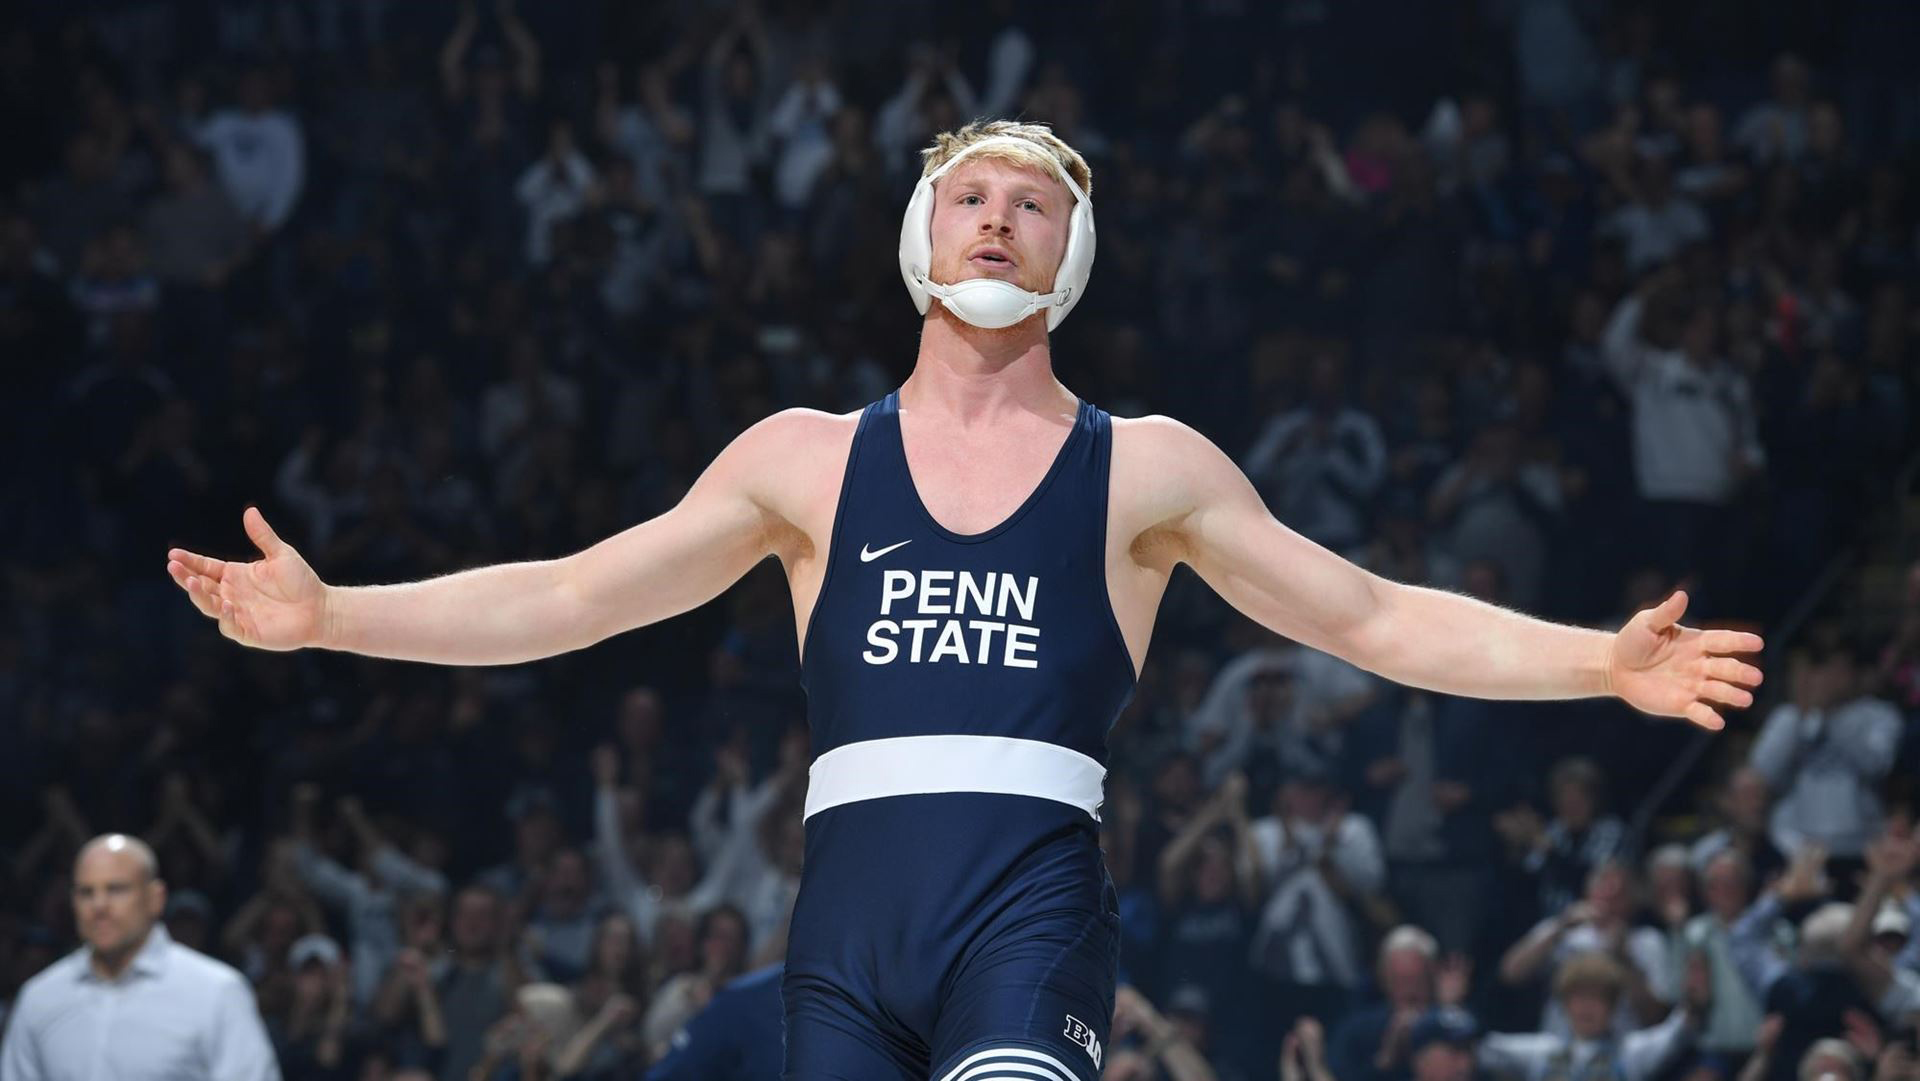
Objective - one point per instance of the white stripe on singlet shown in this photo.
(913, 765)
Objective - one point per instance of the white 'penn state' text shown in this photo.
(991, 639)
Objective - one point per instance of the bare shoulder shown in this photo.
(1165, 472)
(1169, 467)
(790, 445)
(791, 463)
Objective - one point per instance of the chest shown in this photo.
(970, 482)
(135, 1030)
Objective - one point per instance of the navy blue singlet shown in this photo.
(955, 919)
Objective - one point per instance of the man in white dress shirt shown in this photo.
(132, 1003)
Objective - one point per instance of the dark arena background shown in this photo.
(1557, 303)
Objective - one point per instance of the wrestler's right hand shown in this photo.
(276, 602)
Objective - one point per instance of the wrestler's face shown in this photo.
(995, 219)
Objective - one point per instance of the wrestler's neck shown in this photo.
(969, 375)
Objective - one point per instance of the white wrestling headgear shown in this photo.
(989, 303)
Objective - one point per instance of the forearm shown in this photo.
(1182, 1061)
(433, 1025)
(1453, 644)
(575, 1052)
(1639, 994)
(1649, 1051)
(201, 833)
(1748, 945)
(1524, 961)
(504, 614)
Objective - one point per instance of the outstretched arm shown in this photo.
(516, 612)
(1194, 506)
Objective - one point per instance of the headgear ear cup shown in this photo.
(916, 242)
(1077, 265)
(983, 301)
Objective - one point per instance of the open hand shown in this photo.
(1659, 667)
(273, 603)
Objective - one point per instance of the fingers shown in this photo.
(1732, 671)
(1731, 642)
(261, 533)
(1726, 694)
(230, 621)
(202, 591)
(196, 563)
(1703, 715)
(1670, 610)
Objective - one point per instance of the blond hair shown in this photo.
(1592, 972)
(1048, 154)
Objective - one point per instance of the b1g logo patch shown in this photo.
(1079, 1033)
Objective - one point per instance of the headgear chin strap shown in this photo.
(990, 303)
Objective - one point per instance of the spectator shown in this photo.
(1563, 853)
(722, 938)
(1494, 504)
(194, 235)
(477, 989)
(553, 190)
(1209, 895)
(531, 399)
(536, 836)
(113, 282)
(1318, 464)
(909, 118)
(1441, 1045)
(799, 125)
(564, 917)
(1694, 436)
(83, 199)
(530, 1042)
(1824, 752)
(259, 934)
(1655, 225)
(259, 152)
(612, 995)
(1812, 992)
(1426, 777)
(1153, 1045)
(1879, 940)
(406, 1009)
(1248, 719)
(1744, 803)
(1733, 1023)
(1637, 957)
(372, 901)
(651, 132)
(1589, 989)
(1322, 871)
(737, 1037)
(1776, 130)
(1707, 173)
(309, 1036)
(1382, 1042)
(736, 99)
(198, 1010)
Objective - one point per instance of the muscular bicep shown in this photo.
(689, 555)
(1270, 573)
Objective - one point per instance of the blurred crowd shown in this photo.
(1559, 303)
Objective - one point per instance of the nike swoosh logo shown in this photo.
(868, 557)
